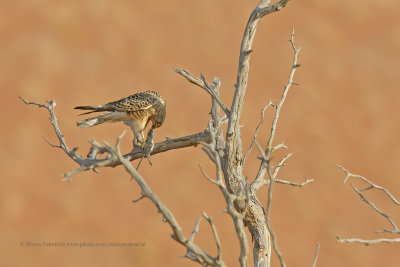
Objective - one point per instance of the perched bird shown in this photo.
(136, 110)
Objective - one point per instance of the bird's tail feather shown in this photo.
(106, 117)
(89, 122)
(98, 108)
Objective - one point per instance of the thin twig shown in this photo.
(280, 164)
(256, 132)
(216, 237)
(188, 253)
(267, 212)
(138, 199)
(316, 256)
(373, 206)
(208, 154)
(203, 84)
(284, 94)
(368, 242)
(268, 151)
(63, 145)
(50, 144)
(270, 148)
(306, 181)
(281, 181)
(371, 186)
(208, 177)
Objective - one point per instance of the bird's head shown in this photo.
(159, 118)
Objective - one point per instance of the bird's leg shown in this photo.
(137, 139)
(142, 140)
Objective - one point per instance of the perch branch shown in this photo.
(91, 162)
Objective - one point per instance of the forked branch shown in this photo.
(371, 186)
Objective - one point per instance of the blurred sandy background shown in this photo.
(89, 52)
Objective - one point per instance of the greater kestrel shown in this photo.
(136, 110)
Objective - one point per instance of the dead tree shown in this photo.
(225, 150)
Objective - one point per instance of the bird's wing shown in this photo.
(133, 103)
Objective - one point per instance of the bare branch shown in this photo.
(215, 93)
(396, 230)
(316, 256)
(92, 163)
(368, 242)
(256, 187)
(190, 77)
(370, 186)
(232, 162)
(274, 243)
(208, 154)
(208, 177)
(100, 149)
(281, 145)
(280, 181)
(260, 11)
(283, 97)
(67, 176)
(120, 137)
(195, 230)
(188, 253)
(216, 237)
(280, 164)
(255, 184)
(269, 149)
(199, 255)
(138, 199)
(256, 132)
(267, 212)
(229, 198)
(63, 145)
(50, 144)
(203, 84)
